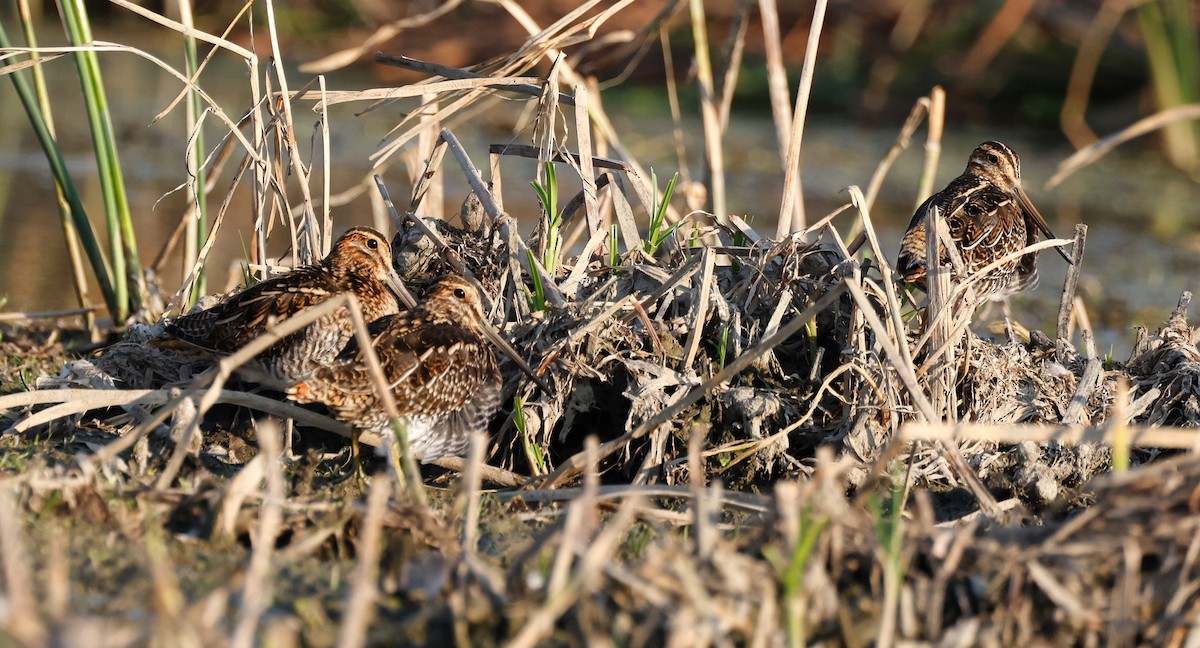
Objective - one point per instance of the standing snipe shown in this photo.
(441, 369)
(989, 216)
(360, 263)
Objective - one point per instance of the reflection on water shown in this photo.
(1142, 247)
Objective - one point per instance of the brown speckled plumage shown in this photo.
(989, 216)
(442, 370)
(360, 263)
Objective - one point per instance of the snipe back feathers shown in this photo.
(359, 263)
(441, 369)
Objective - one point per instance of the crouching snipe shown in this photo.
(438, 364)
(360, 264)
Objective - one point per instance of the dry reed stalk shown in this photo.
(55, 314)
(939, 314)
(791, 212)
(424, 182)
(1071, 434)
(702, 511)
(470, 484)
(1096, 150)
(595, 556)
(345, 57)
(998, 32)
(777, 85)
(326, 229)
(360, 603)
(259, 588)
(1072, 117)
(587, 172)
(714, 157)
(427, 142)
(22, 619)
(77, 401)
(731, 62)
(541, 43)
(916, 115)
(599, 118)
(933, 143)
(704, 288)
(889, 285)
(1070, 282)
(179, 300)
(1088, 382)
(456, 79)
(685, 174)
(467, 507)
(105, 46)
(310, 227)
(579, 525)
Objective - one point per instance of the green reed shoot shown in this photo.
(552, 244)
(122, 240)
(197, 228)
(1169, 30)
(792, 573)
(537, 301)
(659, 229)
(533, 451)
(723, 346)
(889, 530)
(58, 167)
(70, 235)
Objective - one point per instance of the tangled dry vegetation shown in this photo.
(750, 440)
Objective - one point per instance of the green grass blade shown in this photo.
(70, 234)
(198, 227)
(1172, 60)
(58, 167)
(539, 290)
(122, 241)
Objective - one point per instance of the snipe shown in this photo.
(438, 361)
(989, 216)
(360, 263)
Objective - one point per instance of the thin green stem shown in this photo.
(70, 235)
(58, 167)
(122, 240)
(198, 226)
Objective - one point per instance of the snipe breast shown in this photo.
(436, 358)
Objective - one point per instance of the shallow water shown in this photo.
(1143, 246)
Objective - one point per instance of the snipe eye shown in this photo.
(991, 157)
(460, 293)
(373, 244)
